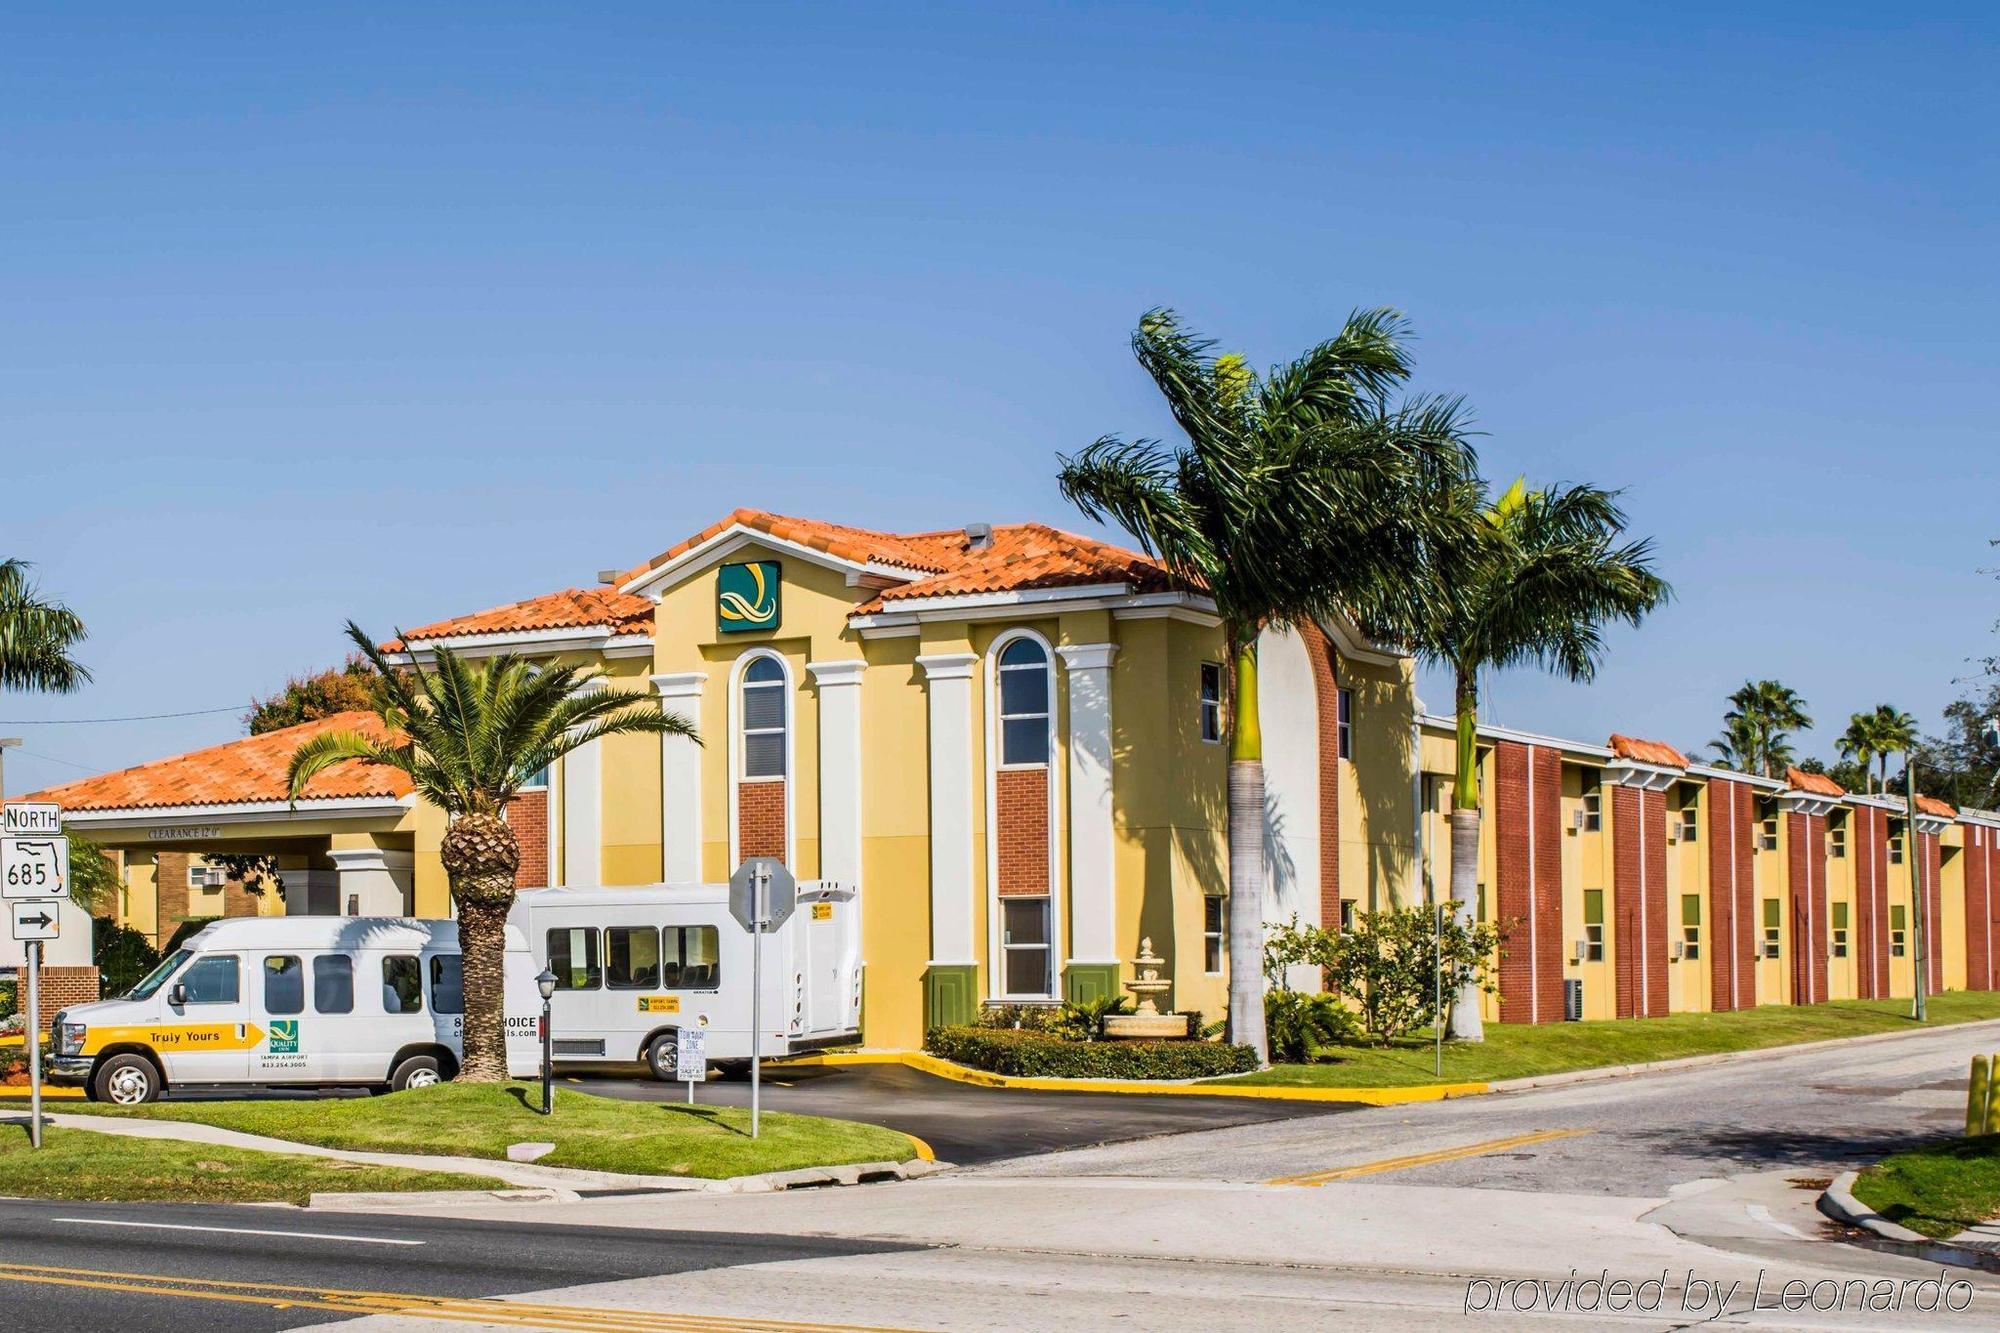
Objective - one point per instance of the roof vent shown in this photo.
(610, 575)
(978, 537)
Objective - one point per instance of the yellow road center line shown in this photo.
(1426, 1158)
(522, 1314)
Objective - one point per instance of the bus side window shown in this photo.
(573, 958)
(284, 985)
(693, 958)
(333, 984)
(402, 985)
(631, 957)
(447, 984)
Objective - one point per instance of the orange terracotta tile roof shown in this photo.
(236, 773)
(572, 608)
(1819, 784)
(1647, 752)
(1931, 805)
(1021, 556)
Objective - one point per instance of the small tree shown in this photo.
(344, 689)
(469, 736)
(1389, 967)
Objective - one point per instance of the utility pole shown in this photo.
(1913, 853)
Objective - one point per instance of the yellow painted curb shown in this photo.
(924, 1150)
(49, 1093)
(925, 1063)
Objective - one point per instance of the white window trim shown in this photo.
(995, 954)
(1221, 703)
(736, 778)
(1222, 936)
(1048, 702)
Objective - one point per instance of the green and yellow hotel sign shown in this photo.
(746, 597)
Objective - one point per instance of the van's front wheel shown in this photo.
(126, 1080)
(419, 1071)
(663, 1056)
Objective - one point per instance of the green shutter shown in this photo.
(1690, 909)
(1895, 918)
(1840, 916)
(1593, 907)
(1770, 914)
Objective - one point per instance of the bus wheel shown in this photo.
(126, 1080)
(663, 1056)
(419, 1071)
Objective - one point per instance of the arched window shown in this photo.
(763, 714)
(1024, 703)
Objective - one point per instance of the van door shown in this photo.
(208, 1022)
(826, 998)
(278, 1001)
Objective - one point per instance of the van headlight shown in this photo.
(69, 1037)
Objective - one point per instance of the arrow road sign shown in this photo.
(36, 921)
(34, 867)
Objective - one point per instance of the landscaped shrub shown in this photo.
(1024, 1054)
(9, 997)
(1302, 1027)
(1387, 967)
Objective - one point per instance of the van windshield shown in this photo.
(158, 976)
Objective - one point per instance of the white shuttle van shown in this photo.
(633, 965)
(303, 1000)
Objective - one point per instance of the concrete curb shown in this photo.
(1837, 1201)
(1724, 1057)
(811, 1177)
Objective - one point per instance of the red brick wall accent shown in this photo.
(1528, 892)
(1639, 894)
(1021, 811)
(1731, 982)
(171, 879)
(1805, 874)
(1871, 897)
(1326, 699)
(1653, 846)
(760, 818)
(528, 816)
(61, 988)
(1930, 856)
(1979, 953)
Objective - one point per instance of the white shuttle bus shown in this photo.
(634, 965)
(301, 1000)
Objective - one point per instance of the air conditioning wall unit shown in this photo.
(207, 877)
(1576, 820)
(1579, 951)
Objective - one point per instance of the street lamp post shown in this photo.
(546, 984)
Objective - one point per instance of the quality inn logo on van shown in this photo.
(284, 1036)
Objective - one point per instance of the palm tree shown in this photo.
(1533, 581)
(36, 637)
(1289, 503)
(1890, 731)
(1756, 731)
(468, 736)
(1857, 745)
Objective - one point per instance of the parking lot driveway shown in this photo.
(965, 1124)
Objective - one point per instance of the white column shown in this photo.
(839, 768)
(680, 781)
(949, 676)
(374, 881)
(583, 829)
(1092, 885)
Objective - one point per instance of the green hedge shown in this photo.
(1035, 1055)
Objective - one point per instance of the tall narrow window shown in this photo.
(1025, 941)
(1214, 933)
(1211, 702)
(1898, 932)
(1771, 917)
(763, 719)
(1839, 946)
(1690, 926)
(1767, 834)
(1593, 925)
(1593, 810)
(1896, 848)
(1024, 703)
(1836, 841)
(1347, 724)
(1690, 822)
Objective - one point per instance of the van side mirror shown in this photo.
(178, 996)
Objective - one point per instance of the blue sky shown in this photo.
(388, 314)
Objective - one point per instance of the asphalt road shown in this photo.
(965, 1124)
(175, 1268)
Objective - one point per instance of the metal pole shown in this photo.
(1913, 853)
(548, 1064)
(760, 896)
(34, 1035)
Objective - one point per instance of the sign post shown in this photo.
(691, 1057)
(762, 894)
(34, 876)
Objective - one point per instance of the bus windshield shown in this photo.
(158, 976)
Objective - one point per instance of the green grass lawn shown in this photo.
(77, 1164)
(1938, 1190)
(1518, 1050)
(597, 1133)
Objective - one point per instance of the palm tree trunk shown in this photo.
(1465, 1021)
(1246, 854)
(482, 942)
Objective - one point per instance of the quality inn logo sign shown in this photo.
(746, 596)
(284, 1036)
